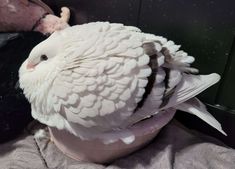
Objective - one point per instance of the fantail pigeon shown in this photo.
(102, 77)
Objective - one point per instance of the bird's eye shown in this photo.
(43, 57)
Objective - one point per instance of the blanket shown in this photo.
(174, 147)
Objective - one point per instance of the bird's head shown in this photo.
(38, 69)
(44, 53)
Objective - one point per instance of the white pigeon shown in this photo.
(102, 77)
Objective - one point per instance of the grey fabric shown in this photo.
(175, 147)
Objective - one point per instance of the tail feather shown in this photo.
(196, 107)
(190, 86)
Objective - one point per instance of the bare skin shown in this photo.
(25, 15)
(51, 23)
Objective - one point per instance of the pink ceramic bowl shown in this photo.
(98, 152)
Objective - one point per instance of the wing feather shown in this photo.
(97, 85)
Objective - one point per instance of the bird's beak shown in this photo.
(30, 66)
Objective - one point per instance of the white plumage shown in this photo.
(100, 77)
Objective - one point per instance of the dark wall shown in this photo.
(123, 11)
(14, 108)
(205, 29)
